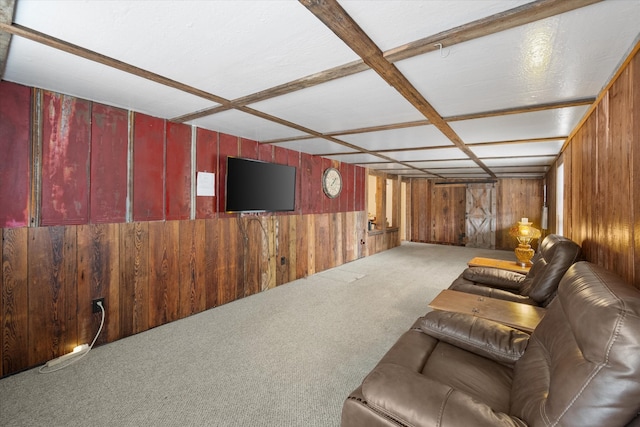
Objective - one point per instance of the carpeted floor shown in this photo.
(285, 357)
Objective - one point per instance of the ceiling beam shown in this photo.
(511, 18)
(47, 40)
(343, 26)
(6, 17)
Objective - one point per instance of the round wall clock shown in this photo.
(331, 182)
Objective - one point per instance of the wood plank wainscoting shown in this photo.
(152, 273)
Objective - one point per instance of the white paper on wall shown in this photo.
(205, 184)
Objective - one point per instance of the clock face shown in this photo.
(332, 182)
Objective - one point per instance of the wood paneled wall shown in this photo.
(438, 211)
(151, 273)
(602, 177)
(96, 203)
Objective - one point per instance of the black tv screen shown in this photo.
(253, 185)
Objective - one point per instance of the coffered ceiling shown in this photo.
(444, 89)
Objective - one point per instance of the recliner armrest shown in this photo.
(413, 399)
(494, 277)
(480, 336)
(488, 291)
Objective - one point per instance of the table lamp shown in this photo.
(524, 233)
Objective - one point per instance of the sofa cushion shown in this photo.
(583, 360)
(480, 336)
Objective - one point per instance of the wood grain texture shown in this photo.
(193, 264)
(164, 274)
(52, 293)
(98, 248)
(601, 178)
(211, 249)
(134, 277)
(14, 300)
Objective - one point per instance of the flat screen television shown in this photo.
(255, 186)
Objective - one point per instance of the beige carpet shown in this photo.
(285, 357)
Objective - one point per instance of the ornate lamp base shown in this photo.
(524, 253)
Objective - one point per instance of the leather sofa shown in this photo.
(555, 255)
(580, 366)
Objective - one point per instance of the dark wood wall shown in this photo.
(96, 202)
(602, 177)
(438, 211)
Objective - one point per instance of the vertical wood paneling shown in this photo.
(148, 170)
(248, 148)
(98, 277)
(322, 243)
(66, 132)
(134, 277)
(634, 111)
(164, 273)
(306, 189)
(109, 139)
(212, 248)
(178, 171)
(193, 298)
(293, 159)
(15, 114)
(448, 214)
(229, 261)
(14, 301)
(207, 161)
(516, 198)
(52, 292)
(265, 152)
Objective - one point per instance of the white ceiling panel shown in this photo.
(245, 125)
(519, 161)
(315, 146)
(394, 23)
(518, 169)
(434, 154)
(538, 63)
(411, 137)
(516, 150)
(444, 164)
(538, 124)
(33, 64)
(360, 158)
(240, 47)
(353, 102)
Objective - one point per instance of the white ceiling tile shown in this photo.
(411, 137)
(519, 161)
(353, 102)
(315, 146)
(538, 63)
(538, 124)
(360, 158)
(394, 23)
(444, 164)
(240, 47)
(514, 150)
(434, 154)
(245, 125)
(33, 64)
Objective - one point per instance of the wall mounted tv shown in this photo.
(255, 186)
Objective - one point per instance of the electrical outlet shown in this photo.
(96, 308)
(283, 260)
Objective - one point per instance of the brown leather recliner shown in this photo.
(555, 255)
(580, 367)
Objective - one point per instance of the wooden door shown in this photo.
(481, 216)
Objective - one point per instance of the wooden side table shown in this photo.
(498, 263)
(520, 316)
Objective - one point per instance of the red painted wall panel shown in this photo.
(228, 147)
(148, 168)
(66, 133)
(178, 173)
(109, 139)
(346, 196)
(207, 161)
(15, 115)
(248, 149)
(265, 152)
(359, 192)
(311, 190)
